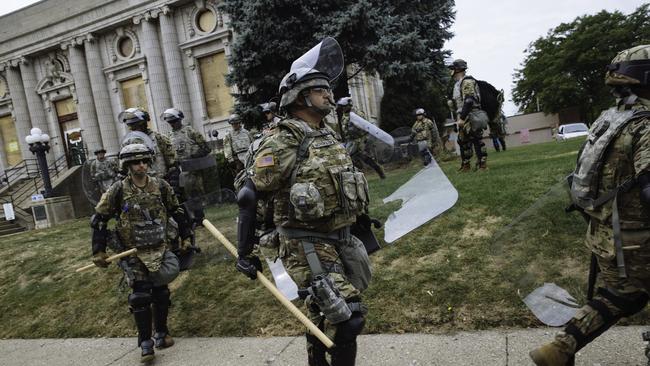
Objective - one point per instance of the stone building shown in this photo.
(69, 67)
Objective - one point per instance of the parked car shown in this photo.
(572, 130)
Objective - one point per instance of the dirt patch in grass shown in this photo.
(481, 229)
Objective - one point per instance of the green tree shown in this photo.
(399, 39)
(566, 67)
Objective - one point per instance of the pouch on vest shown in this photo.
(323, 292)
(148, 234)
(355, 260)
(307, 201)
(270, 240)
(478, 119)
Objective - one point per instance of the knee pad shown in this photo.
(160, 295)
(348, 330)
(629, 305)
(139, 300)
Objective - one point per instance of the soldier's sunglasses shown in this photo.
(139, 161)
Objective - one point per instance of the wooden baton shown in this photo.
(109, 259)
(271, 287)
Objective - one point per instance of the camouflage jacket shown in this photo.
(188, 143)
(627, 156)
(322, 191)
(235, 144)
(466, 87)
(103, 170)
(142, 216)
(423, 130)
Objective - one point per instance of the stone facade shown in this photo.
(69, 68)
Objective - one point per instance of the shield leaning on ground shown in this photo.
(426, 195)
(90, 187)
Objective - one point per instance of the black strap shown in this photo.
(312, 259)
(602, 309)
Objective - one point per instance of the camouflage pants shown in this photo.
(468, 140)
(604, 310)
(135, 270)
(293, 256)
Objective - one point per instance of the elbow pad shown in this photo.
(467, 107)
(644, 183)
(247, 202)
(100, 233)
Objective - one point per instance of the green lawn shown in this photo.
(467, 269)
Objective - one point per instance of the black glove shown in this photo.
(99, 259)
(249, 266)
(365, 221)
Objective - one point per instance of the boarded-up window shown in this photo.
(10, 140)
(65, 107)
(133, 93)
(218, 100)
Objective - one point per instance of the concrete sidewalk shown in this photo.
(619, 346)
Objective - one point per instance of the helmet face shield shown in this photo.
(318, 67)
(133, 115)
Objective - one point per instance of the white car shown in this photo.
(572, 130)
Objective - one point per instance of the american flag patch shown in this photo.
(264, 161)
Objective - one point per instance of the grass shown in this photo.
(467, 269)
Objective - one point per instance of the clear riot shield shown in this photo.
(90, 187)
(552, 304)
(426, 195)
(371, 129)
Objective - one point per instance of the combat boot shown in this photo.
(147, 351)
(160, 306)
(465, 166)
(163, 340)
(482, 165)
(551, 355)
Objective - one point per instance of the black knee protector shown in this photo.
(160, 295)
(629, 305)
(141, 296)
(348, 330)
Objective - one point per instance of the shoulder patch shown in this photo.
(264, 161)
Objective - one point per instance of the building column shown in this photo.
(155, 67)
(173, 58)
(85, 103)
(21, 112)
(102, 99)
(34, 101)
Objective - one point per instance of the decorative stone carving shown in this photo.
(114, 44)
(192, 18)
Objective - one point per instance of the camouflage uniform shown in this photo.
(498, 131)
(471, 134)
(189, 144)
(164, 152)
(146, 218)
(103, 173)
(355, 142)
(327, 167)
(611, 184)
(235, 146)
(426, 130)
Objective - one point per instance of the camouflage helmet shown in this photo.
(291, 87)
(134, 152)
(630, 67)
(133, 115)
(172, 115)
(458, 64)
(234, 118)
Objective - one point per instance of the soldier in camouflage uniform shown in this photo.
(425, 133)
(472, 121)
(103, 172)
(611, 184)
(164, 161)
(188, 144)
(498, 131)
(355, 138)
(317, 194)
(235, 144)
(143, 207)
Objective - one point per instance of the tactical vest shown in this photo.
(586, 177)
(184, 145)
(239, 141)
(143, 218)
(458, 96)
(326, 192)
